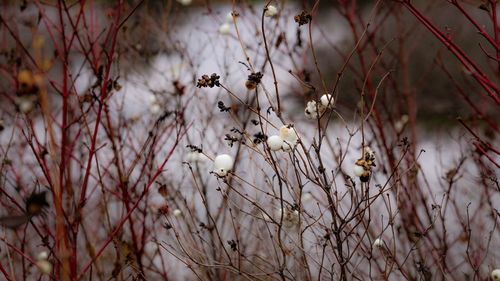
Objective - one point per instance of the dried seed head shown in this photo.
(250, 85)
(35, 203)
(253, 80)
(303, 18)
(365, 177)
(208, 81)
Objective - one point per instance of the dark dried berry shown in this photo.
(208, 81)
(222, 107)
(303, 18)
(35, 203)
(365, 177)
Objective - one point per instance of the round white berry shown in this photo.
(495, 275)
(275, 142)
(43, 255)
(311, 111)
(155, 108)
(152, 99)
(327, 101)
(225, 28)
(223, 161)
(26, 105)
(44, 266)
(185, 2)
(358, 170)
(288, 135)
(177, 212)
(271, 11)
(378, 243)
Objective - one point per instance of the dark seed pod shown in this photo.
(250, 85)
(35, 203)
(365, 177)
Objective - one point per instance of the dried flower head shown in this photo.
(303, 18)
(253, 80)
(208, 81)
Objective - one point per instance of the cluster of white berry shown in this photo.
(363, 166)
(42, 262)
(315, 109)
(286, 140)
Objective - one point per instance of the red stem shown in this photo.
(475, 71)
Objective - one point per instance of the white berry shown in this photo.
(327, 101)
(224, 161)
(43, 255)
(378, 243)
(289, 137)
(271, 11)
(185, 2)
(358, 170)
(155, 108)
(177, 212)
(495, 275)
(44, 266)
(275, 142)
(223, 164)
(225, 28)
